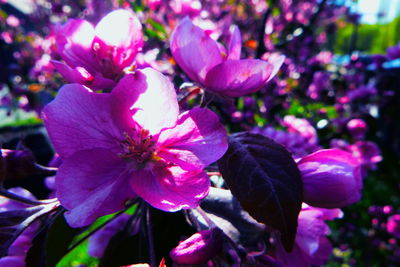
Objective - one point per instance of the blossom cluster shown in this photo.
(145, 129)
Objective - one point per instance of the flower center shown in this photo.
(105, 59)
(139, 146)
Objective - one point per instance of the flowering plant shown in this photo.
(169, 148)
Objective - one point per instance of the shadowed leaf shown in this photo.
(13, 223)
(262, 175)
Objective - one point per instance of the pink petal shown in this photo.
(13, 261)
(73, 75)
(102, 83)
(197, 140)
(92, 183)
(82, 76)
(276, 61)
(151, 99)
(171, 188)
(310, 229)
(74, 43)
(235, 43)
(119, 35)
(331, 177)
(194, 51)
(321, 256)
(238, 77)
(80, 119)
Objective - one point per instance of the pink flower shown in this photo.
(207, 63)
(297, 144)
(198, 248)
(153, 4)
(357, 128)
(393, 225)
(128, 143)
(302, 127)
(96, 56)
(367, 152)
(311, 247)
(331, 177)
(186, 7)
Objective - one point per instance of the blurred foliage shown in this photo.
(369, 38)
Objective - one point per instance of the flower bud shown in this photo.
(357, 128)
(331, 177)
(198, 248)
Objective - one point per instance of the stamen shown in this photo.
(139, 146)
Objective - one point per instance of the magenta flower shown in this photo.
(331, 177)
(367, 152)
(130, 142)
(357, 128)
(199, 248)
(312, 247)
(393, 225)
(96, 56)
(207, 63)
(301, 127)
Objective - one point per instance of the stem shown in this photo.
(261, 49)
(205, 217)
(18, 198)
(237, 249)
(99, 227)
(149, 232)
(48, 171)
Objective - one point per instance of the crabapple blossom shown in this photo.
(393, 225)
(198, 248)
(219, 70)
(96, 56)
(331, 177)
(130, 143)
(312, 247)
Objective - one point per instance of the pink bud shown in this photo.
(331, 177)
(198, 248)
(357, 127)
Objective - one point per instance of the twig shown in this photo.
(149, 232)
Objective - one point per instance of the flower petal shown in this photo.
(331, 177)
(171, 188)
(92, 183)
(80, 119)
(73, 75)
(194, 51)
(277, 61)
(197, 140)
(235, 43)
(238, 77)
(118, 33)
(310, 229)
(74, 43)
(151, 99)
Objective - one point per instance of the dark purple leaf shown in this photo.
(263, 176)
